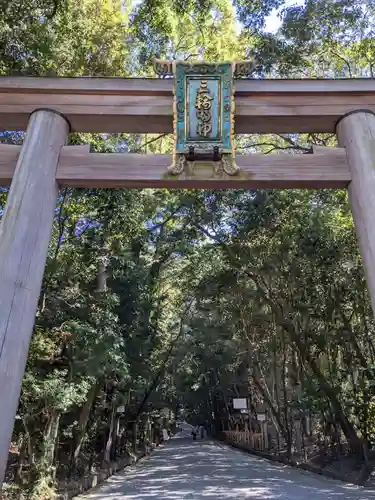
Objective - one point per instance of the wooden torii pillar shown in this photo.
(25, 232)
(356, 132)
(145, 106)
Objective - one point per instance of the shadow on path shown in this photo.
(205, 471)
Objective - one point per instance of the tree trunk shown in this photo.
(83, 421)
(288, 429)
(49, 441)
(347, 427)
(108, 446)
(135, 434)
(275, 413)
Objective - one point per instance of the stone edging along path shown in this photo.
(302, 465)
(73, 488)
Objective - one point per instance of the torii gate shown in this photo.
(52, 107)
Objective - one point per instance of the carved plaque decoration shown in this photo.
(203, 114)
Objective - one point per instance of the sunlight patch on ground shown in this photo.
(239, 493)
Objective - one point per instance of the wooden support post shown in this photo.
(265, 431)
(25, 233)
(356, 132)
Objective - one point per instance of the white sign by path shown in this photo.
(240, 403)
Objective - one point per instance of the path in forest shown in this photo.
(201, 470)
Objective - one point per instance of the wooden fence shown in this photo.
(254, 441)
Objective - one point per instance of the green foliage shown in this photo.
(179, 299)
(62, 38)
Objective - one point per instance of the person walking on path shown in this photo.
(194, 433)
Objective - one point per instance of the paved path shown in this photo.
(186, 470)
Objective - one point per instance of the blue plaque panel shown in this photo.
(202, 109)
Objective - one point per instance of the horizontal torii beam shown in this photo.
(138, 105)
(77, 167)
